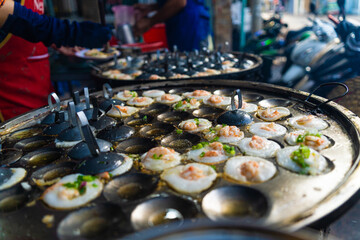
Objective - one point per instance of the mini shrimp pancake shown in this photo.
(197, 94)
(187, 104)
(140, 101)
(168, 98)
(218, 101)
(258, 147)
(313, 139)
(195, 125)
(225, 134)
(210, 153)
(126, 95)
(249, 169)
(273, 114)
(160, 158)
(153, 93)
(213, 71)
(246, 107)
(189, 179)
(156, 77)
(308, 122)
(120, 111)
(267, 130)
(16, 176)
(124, 167)
(72, 191)
(311, 162)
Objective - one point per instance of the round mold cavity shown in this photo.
(33, 143)
(56, 129)
(275, 102)
(235, 201)
(252, 97)
(81, 150)
(104, 162)
(156, 130)
(155, 109)
(9, 156)
(174, 117)
(180, 90)
(210, 113)
(180, 141)
(103, 122)
(130, 187)
(40, 157)
(162, 211)
(138, 120)
(105, 221)
(116, 134)
(136, 145)
(11, 199)
(22, 134)
(50, 174)
(225, 92)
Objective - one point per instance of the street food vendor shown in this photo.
(187, 22)
(24, 65)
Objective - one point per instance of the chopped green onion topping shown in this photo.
(224, 125)
(215, 139)
(133, 93)
(202, 154)
(213, 167)
(301, 138)
(299, 156)
(178, 105)
(200, 145)
(145, 118)
(197, 121)
(94, 185)
(179, 131)
(229, 150)
(80, 183)
(157, 157)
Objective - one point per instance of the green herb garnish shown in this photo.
(202, 154)
(94, 185)
(157, 157)
(212, 130)
(80, 183)
(178, 105)
(215, 139)
(197, 121)
(301, 138)
(224, 125)
(213, 167)
(179, 131)
(145, 118)
(134, 94)
(229, 150)
(299, 156)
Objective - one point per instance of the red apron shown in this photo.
(24, 72)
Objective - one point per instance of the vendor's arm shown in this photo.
(170, 9)
(33, 27)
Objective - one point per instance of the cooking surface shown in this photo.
(294, 199)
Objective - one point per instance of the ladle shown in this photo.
(235, 117)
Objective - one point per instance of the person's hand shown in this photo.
(142, 10)
(142, 26)
(68, 51)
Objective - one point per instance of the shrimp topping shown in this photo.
(121, 108)
(140, 99)
(190, 126)
(167, 97)
(154, 77)
(128, 93)
(304, 120)
(269, 127)
(257, 142)
(216, 146)
(199, 93)
(193, 101)
(192, 173)
(249, 169)
(68, 193)
(314, 141)
(230, 131)
(216, 99)
(161, 153)
(212, 153)
(270, 113)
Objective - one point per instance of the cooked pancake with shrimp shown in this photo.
(273, 114)
(311, 139)
(211, 153)
(195, 125)
(126, 95)
(168, 98)
(140, 101)
(160, 158)
(122, 111)
(217, 101)
(11, 176)
(124, 167)
(187, 104)
(267, 130)
(301, 159)
(246, 169)
(73, 191)
(153, 93)
(189, 179)
(308, 122)
(258, 147)
(246, 107)
(224, 134)
(197, 94)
